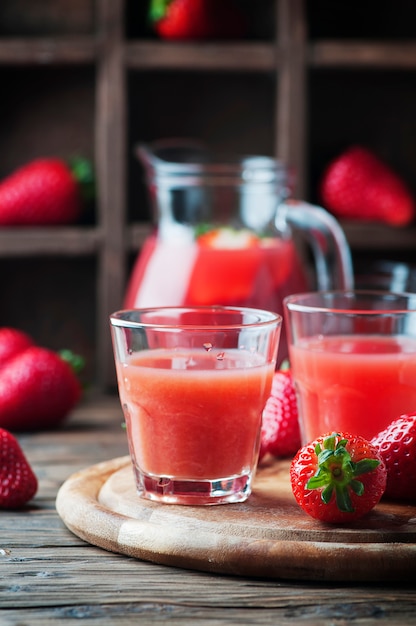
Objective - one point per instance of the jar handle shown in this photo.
(326, 238)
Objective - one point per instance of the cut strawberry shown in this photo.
(228, 239)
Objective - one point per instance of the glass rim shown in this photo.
(261, 318)
(303, 302)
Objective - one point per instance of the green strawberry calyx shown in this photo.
(338, 473)
(157, 9)
(83, 173)
(76, 362)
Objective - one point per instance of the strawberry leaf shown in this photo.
(76, 361)
(336, 471)
(327, 494)
(157, 9)
(343, 500)
(83, 173)
(364, 466)
(357, 487)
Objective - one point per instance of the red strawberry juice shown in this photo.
(259, 274)
(194, 416)
(190, 274)
(355, 384)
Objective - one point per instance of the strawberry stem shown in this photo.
(338, 473)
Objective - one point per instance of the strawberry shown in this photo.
(397, 446)
(280, 434)
(43, 192)
(358, 185)
(338, 477)
(18, 483)
(227, 238)
(38, 388)
(12, 341)
(196, 19)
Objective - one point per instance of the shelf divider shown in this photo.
(291, 101)
(111, 167)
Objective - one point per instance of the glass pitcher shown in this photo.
(225, 233)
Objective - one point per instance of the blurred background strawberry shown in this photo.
(38, 387)
(359, 185)
(280, 432)
(197, 19)
(45, 191)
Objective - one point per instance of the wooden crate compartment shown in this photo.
(353, 19)
(25, 18)
(260, 17)
(210, 107)
(370, 107)
(54, 300)
(90, 77)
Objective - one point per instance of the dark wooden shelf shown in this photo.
(48, 51)
(63, 241)
(84, 241)
(220, 57)
(374, 236)
(363, 54)
(213, 56)
(108, 61)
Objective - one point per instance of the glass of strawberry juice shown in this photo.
(193, 382)
(353, 358)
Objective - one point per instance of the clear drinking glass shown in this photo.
(193, 382)
(353, 358)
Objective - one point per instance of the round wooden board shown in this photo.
(268, 536)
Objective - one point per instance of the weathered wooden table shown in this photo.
(50, 576)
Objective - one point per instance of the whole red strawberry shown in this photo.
(338, 477)
(397, 446)
(358, 185)
(38, 388)
(196, 19)
(12, 341)
(280, 434)
(43, 192)
(18, 483)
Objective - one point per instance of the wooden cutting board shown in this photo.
(267, 536)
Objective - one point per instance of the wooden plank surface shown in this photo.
(50, 576)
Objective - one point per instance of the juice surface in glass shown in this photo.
(189, 415)
(356, 384)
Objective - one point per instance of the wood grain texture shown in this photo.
(266, 536)
(48, 575)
